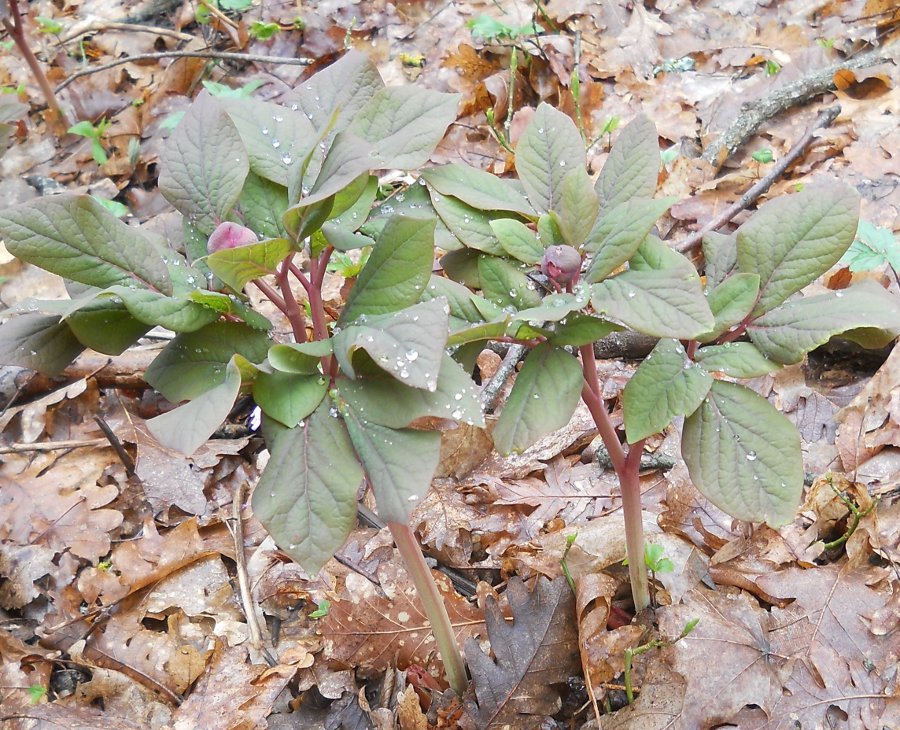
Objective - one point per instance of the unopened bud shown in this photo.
(230, 235)
(561, 263)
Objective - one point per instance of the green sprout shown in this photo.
(93, 132)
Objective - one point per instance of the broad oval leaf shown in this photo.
(581, 329)
(505, 284)
(542, 400)
(665, 385)
(580, 206)
(276, 138)
(619, 232)
(178, 314)
(299, 357)
(237, 266)
(288, 397)
(720, 255)
(399, 463)
(550, 148)
(188, 427)
(632, 168)
(38, 341)
(477, 188)
(345, 87)
(397, 271)
(518, 240)
(306, 497)
(388, 402)
(409, 344)
(193, 362)
(555, 307)
(655, 255)
(263, 204)
(786, 334)
(791, 240)
(77, 238)
(744, 455)
(404, 124)
(204, 164)
(106, 327)
(658, 303)
(737, 359)
(470, 226)
(730, 302)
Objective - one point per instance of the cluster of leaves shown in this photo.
(551, 260)
(741, 452)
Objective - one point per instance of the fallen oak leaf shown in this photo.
(537, 650)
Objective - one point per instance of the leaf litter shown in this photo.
(117, 591)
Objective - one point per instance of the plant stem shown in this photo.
(292, 309)
(510, 108)
(628, 470)
(16, 31)
(430, 596)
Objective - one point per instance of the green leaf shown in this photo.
(542, 400)
(461, 300)
(555, 307)
(106, 327)
(178, 314)
(237, 266)
(276, 138)
(504, 284)
(306, 497)
(730, 302)
(223, 91)
(580, 205)
(736, 359)
(397, 271)
(479, 332)
(287, 397)
(581, 329)
(632, 168)
(472, 227)
(518, 240)
(39, 342)
(872, 248)
(744, 455)
(77, 238)
(462, 266)
(665, 385)
(404, 124)
(263, 204)
(793, 239)
(548, 150)
(345, 87)
(408, 344)
(655, 255)
(720, 255)
(548, 230)
(477, 188)
(299, 357)
(619, 232)
(188, 427)
(348, 158)
(786, 334)
(193, 362)
(388, 402)
(658, 303)
(399, 463)
(204, 164)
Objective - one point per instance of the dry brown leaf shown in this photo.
(381, 627)
(537, 650)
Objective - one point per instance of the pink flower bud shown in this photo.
(561, 263)
(230, 235)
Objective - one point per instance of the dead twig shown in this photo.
(123, 455)
(825, 119)
(493, 387)
(52, 446)
(754, 113)
(249, 606)
(98, 26)
(213, 55)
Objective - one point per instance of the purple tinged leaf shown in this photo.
(230, 235)
(561, 263)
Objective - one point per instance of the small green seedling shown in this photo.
(262, 31)
(49, 26)
(36, 693)
(570, 541)
(763, 156)
(872, 248)
(94, 133)
(772, 67)
(223, 91)
(632, 652)
(323, 607)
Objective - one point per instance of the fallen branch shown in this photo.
(825, 119)
(98, 26)
(754, 113)
(215, 55)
